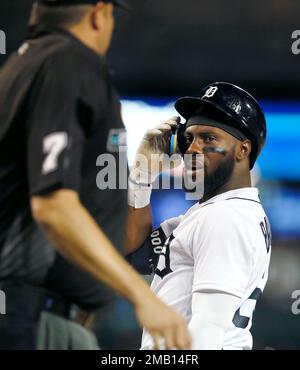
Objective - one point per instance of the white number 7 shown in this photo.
(53, 145)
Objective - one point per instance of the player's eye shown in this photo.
(188, 139)
(207, 139)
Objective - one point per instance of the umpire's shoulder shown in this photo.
(69, 55)
(64, 59)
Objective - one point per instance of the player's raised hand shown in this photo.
(167, 328)
(156, 139)
(152, 154)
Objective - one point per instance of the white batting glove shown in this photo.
(151, 159)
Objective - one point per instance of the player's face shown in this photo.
(218, 148)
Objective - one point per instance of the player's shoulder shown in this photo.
(169, 225)
(223, 214)
(233, 205)
(218, 209)
(231, 214)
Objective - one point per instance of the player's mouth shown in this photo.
(194, 165)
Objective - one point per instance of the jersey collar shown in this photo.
(243, 193)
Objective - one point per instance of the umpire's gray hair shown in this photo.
(57, 16)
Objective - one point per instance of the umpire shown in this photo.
(58, 112)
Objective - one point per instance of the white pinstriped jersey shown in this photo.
(222, 245)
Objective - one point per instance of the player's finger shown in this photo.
(162, 129)
(165, 127)
(153, 132)
(173, 121)
(169, 124)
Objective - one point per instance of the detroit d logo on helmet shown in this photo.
(210, 92)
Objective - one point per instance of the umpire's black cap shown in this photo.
(119, 3)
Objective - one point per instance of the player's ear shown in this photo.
(98, 16)
(243, 150)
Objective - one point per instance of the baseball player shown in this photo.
(210, 264)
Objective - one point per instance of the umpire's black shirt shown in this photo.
(58, 112)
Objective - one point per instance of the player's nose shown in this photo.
(196, 147)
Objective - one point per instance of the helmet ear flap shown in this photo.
(177, 141)
(182, 147)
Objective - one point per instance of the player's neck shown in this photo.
(235, 182)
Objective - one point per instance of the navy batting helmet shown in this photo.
(231, 105)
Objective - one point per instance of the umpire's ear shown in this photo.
(98, 16)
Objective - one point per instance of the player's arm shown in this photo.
(145, 258)
(138, 228)
(212, 313)
(149, 162)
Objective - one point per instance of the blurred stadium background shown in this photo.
(165, 49)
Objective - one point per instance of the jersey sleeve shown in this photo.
(145, 258)
(169, 225)
(223, 252)
(54, 128)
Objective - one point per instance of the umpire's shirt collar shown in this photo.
(35, 32)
